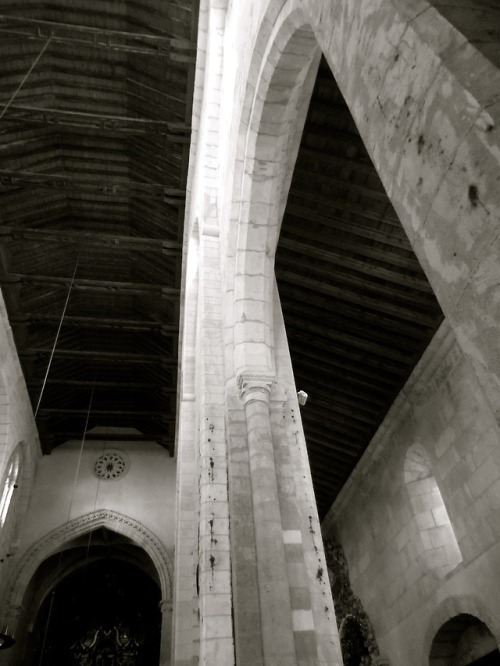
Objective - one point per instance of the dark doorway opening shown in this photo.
(105, 614)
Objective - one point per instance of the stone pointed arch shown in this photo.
(55, 540)
(273, 115)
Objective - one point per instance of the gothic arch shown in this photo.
(55, 540)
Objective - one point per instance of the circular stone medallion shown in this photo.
(110, 465)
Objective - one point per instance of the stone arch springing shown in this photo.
(436, 542)
(55, 540)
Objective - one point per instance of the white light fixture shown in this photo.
(302, 397)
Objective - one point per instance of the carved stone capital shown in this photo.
(255, 387)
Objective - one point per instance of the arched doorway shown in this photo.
(100, 606)
(464, 641)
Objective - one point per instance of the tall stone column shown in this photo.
(274, 594)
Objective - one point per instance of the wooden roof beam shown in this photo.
(353, 317)
(310, 362)
(111, 241)
(365, 231)
(91, 285)
(129, 413)
(307, 171)
(122, 437)
(174, 132)
(124, 356)
(325, 202)
(178, 50)
(97, 322)
(116, 385)
(370, 302)
(92, 183)
(333, 256)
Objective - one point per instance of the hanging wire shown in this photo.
(87, 418)
(52, 596)
(59, 563)
(56, 338)
(89, 540)
(25, 77)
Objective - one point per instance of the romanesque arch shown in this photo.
(464, 640)
(470, 611)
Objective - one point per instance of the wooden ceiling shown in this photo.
(358, 309)
(95, 110)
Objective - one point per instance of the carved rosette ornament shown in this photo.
(110, 465)
(357, 639)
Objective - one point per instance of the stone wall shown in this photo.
(69, 500)
(67, 487)
(404, 562)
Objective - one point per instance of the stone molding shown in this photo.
(52, 542)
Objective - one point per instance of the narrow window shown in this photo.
(9, 486)
(436, 543)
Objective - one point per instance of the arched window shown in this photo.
(435, 539)
(9, 485)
